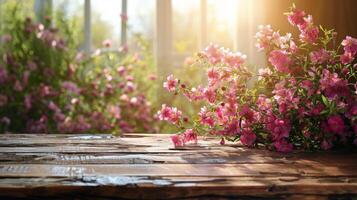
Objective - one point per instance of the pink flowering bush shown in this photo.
(305, 98)
(113, 95)
(46, 86)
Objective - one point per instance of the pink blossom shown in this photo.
(247, 113)
(18, 87)
(308, 32)
(206, 117)
(209, 94)
(115, 111)
(248, 137)
(220, 115)
(134, 101)
(175, 116)
(308, 86)
(263, 36)
(264, 103)
(3, 75)
(32, 66)
(195, 94)
(129, 87)
(264, 73)
(316, 110)
(213, 53)
(213, 75)
(3, 100)
(296, 17)
(171, 83)
(336, 124)
(310, 35)
(5, 120)
(129, 78)
(285, 97)
(59, 117)
(152, 77)
(326, 144)
(293, 47)
(37, 126)
(234, 59)
(320, 56)
(6, 38)
(283, 146)
(48, 72)
(121, 70)
(279, 128)
(52, 106)
(27, 102)
(280, 60)
(283, 42)
(188, 61)
(350, 45)
(351, 111)
(71, 87)
(230, 109)
(222, 142)
(346, 58)
(45, 90)
(25, 77)
(332, 85)
(124, 17)
(125, 127)
(231, 128)
(189, 136)
(177, 140)
(172, 115)
(107, 43)
(124, 97)
(82, 125)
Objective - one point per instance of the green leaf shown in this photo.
(325, 101)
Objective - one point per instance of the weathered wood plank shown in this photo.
(147, 166)
(179, 157)
(179, 187)
(232, 170)
(163, 140)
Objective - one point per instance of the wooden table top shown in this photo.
(147, 166)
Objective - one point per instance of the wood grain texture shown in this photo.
(146, 166)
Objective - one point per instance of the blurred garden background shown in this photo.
(75, 66)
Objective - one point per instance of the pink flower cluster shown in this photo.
(309, 33)
(280, 60)
(304, 99)
(171, 83)
(350, 49)
(188, 136)
(169, 114)
(216, 55)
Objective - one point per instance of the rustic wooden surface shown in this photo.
(137, 166)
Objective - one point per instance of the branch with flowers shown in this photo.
(304, 99)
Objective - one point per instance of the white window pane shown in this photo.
(141, 20)
(185, 20)
(106, 22)
(69, 8)
(220, 22)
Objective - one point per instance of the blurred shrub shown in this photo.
(46, 86)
